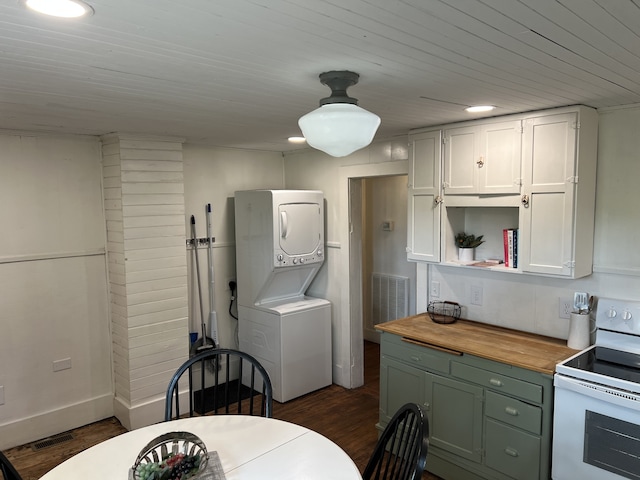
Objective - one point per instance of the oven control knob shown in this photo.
(626, 315)
(611, 313)
(295, 261)
(280, 257)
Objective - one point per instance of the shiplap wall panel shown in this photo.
(156, 295)
(144, 199)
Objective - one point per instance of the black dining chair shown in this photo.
(401, 451)
(9, 472)
(219, 381)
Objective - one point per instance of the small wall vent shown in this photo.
(390, 297)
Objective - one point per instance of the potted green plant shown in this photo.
(466, 246)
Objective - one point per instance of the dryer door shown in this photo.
(301, 228)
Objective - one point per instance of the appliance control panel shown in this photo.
(621, 316)
(284, 260)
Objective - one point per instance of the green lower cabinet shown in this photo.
(487, 420)
(455, 416)
(512, 452)
(402, 384)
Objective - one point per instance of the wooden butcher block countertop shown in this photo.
(521, 349)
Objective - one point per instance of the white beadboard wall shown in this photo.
(144, 209)
(53, 300)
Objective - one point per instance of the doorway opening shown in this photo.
(381, 278)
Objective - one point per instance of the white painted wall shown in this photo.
(53, 300)
(213, 175)
(310, 169)
(385, 251)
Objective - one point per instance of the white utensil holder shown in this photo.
(579, 331)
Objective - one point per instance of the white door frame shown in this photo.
(353, 339)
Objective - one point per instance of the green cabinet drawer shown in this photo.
(417, 355)
(514, 412)
(512, 452)
(498, 382)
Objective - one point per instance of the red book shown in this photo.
(505, 238)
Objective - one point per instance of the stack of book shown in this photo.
(510, 237)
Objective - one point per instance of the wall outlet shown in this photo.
(476, 295)
(435, 289)
(63, 364)
(565, 307)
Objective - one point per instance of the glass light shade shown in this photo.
(339, 128)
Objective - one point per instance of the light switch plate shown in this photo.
(1, 394)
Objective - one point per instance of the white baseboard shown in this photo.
(26, 430)
(140, 415)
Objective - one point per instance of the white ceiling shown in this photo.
(239, 73)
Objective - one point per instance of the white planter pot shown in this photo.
(466, 254)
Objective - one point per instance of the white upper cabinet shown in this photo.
(424, 201)
(483, 159)
(558, 203)
(534, 172)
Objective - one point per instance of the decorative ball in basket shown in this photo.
(172, 456)
(444, 312)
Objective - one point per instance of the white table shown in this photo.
(248, 447)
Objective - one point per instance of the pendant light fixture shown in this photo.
(339, 127)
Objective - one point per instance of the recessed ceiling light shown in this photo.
(297, 139)
(480, 108)
(60, 8)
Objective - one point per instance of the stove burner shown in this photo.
(609, 362)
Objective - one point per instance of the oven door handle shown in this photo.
(600, 392)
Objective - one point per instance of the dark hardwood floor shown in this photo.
(345, 416)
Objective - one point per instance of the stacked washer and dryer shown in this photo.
(279, 250)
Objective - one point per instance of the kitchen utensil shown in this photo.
(580, 302)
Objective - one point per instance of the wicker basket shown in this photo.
(170, 444)
(444, 312)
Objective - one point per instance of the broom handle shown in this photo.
(195, 254)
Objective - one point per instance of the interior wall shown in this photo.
(53, 307)
(385, 251)
(213, 175)
(314, 170)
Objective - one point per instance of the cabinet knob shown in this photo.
(525, 200)
(426, 405)
(480, 162)
(495, 382)
(511, 452)
(437, 200)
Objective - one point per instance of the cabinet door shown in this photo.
(500, 155)
(423, 236)
(455, 416)
(460, 160)
(549, 182)
(483, 159)
(399, 384)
